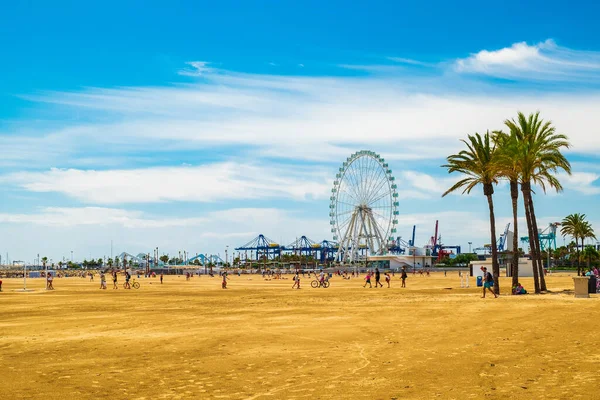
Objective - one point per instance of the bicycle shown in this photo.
(317, 283)
(134, 284)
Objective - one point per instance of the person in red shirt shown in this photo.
(368, 280)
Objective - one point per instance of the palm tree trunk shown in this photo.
(488, 190)
(538, 247)
(514, 194)
(526, 189)
(579, 258)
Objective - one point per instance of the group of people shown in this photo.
(377, 275)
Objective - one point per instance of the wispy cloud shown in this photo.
(581, 181)
(198, 68)
(89, 231)
(542, 61)
(410, 61)
(207, 183)
(298, 117)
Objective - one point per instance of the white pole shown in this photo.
(25, 277)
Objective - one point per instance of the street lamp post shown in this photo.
(71, 256)
(470, 247)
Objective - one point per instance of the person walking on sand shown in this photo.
(224, 283)
(49, 281)
(387, 278)
(127, 278)
(296, 281)
(377, 278)
(403, 276)
(114, 276)
(368, 279)
(161, 278)
(102, 280)
(488, 279)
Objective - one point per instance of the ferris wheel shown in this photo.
(364, 206)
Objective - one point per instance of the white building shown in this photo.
(525, 267)
(396, 262)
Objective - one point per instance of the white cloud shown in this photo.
(198, 68)
(96, 216)
(89, 231)
(582, 182)
(541, 61)
(304, 118)
(410, 61)
(207, 183)
(428, 184)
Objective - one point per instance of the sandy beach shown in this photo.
(260, 339)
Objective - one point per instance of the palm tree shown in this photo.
(577, 227)
(590, 253)
(477, 162)
(507, 163)
(587, 232)
(109, 262)
(540, 158)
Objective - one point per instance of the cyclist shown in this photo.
(321, 277)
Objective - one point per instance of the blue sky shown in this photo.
(196, 125)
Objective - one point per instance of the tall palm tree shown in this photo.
(507, 162)
(477, 162)
(540, 158)
(576, 226)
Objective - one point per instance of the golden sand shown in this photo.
(262, 340)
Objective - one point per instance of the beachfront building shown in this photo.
(396, 262)
(525, 267)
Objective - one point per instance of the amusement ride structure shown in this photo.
(364, 206)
